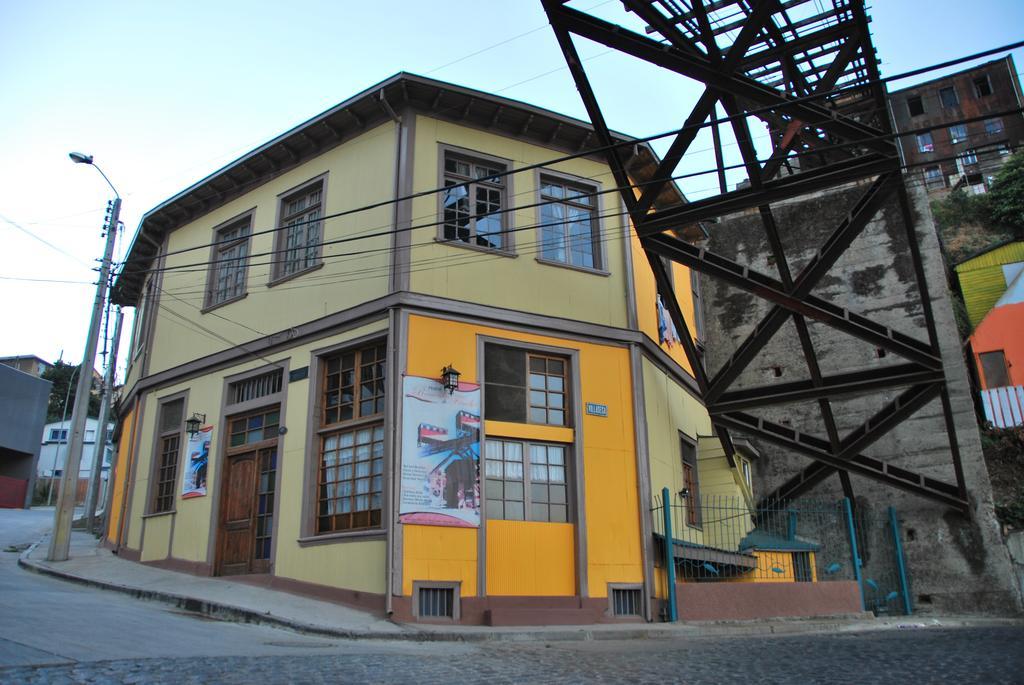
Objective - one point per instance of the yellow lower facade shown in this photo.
(595, 545)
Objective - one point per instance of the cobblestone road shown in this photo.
(929, 655)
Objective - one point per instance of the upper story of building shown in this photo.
(29, 363)
(960, 127)
(414, 187)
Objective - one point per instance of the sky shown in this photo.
(162, 94)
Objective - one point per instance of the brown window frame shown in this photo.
(691, 481)
(282, 270)
(220, 260)
(572, 190)
(527, 480)
(166, 458)
(529, 406)
(327, 519)
(473, 183)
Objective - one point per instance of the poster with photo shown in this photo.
(440, 454)
(197, 456)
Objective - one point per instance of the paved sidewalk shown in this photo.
(93, 565)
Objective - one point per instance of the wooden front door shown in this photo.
(247, 505)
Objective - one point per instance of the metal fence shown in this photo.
(723, 539)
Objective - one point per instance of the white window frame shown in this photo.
(583, 187)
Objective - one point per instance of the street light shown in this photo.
(60, 540)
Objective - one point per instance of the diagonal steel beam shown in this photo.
(859, 464)
(888, 417)
(700, 68)
(853, 383)
(873, 429)
(775, 190)
(705, 105)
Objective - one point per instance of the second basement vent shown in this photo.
(436, 602)
(626, 601)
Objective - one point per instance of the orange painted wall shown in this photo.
(646, 310)
(124, 461)
(609, 469)
(1001, 329)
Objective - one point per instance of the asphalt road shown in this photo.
(56, 632)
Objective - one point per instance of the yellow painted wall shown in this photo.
(982, 281)
(439, 553)
(670, 409)
(610, 489)
(520, 556)
(125, 457)
(766, 561)
(360, 171)
(646, 291)
(158, 538)
(466, 274)
(353, 565)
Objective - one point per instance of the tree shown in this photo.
(1006, 198)
(64, 376)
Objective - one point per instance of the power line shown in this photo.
(648, 139)
(517, 208)
(44, 241)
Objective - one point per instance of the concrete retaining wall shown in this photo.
(957, 564)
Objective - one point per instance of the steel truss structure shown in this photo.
(808, 70)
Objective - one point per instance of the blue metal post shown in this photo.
(901, 563)
(670, 558)
(853, 550)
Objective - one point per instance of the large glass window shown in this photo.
(299, 236)
(350, 479)
(230, 259)
(569, 227)
(525, 387)
(473, 202)
(168, 450)
(526, 481)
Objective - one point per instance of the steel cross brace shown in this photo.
(870, 154)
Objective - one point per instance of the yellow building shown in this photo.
(285, 413)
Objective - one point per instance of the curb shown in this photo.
(794, 626)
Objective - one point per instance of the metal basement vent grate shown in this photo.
(626, 602)
(437, 602)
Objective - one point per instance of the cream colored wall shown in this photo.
(353, 565)
(670, 409)
(359, 172)
(466, 274)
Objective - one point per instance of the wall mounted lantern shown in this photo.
(193, 423)
(450, 379)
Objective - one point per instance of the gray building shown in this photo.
(23, 400)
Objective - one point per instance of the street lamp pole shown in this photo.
(60, 540)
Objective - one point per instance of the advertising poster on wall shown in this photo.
(197, 456)
(440, 454)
